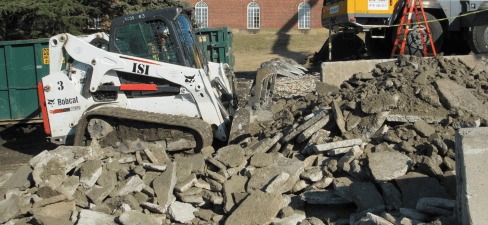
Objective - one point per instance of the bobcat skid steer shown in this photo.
(148, 81)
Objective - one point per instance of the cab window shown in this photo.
(149, 39)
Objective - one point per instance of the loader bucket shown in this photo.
(260, 99)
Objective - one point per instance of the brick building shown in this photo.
(259, 14)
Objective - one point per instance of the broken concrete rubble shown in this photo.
(257, 208)
(387, 166)
(387, 144)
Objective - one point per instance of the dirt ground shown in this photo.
(19, 143)
(252, 50)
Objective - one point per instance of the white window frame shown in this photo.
(95, 23)
(253, 11)
(304, 19)
(202, 17)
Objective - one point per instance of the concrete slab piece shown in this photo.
(181, 212)
(415, 186)
(257, 208)
(22, 178)
(263, 176)
(472, 176)
(455, 96)
(327, 197)
(337, 72)
(88, 217)
(386, 166)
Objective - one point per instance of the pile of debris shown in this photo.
(378, 150)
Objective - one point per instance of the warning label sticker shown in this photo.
(377, 4)
(45, 56)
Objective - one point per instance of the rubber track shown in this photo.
(198, 125)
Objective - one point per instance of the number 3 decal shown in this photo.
(61, 87)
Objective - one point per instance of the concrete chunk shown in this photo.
(471, 174)
(415, 186)
(155, 208)
(294, 219)
(202, 184)
(90, 172)
(391, 195)
(378, 103)
(42, 157)
(423, 128)
(341, 187)
(61, 210)
(338, 117)
(22, 179)
(88, 217)
(365, 195)
(234, 185)
(322, 197)
(53, 173)
(338, 151)
(414, 214)
(313, 174)
(9, 208)
(135, 217)
(436, 206)
(318, 138)
(377, 121)
(71, 184)
(48, 201)
(181, 212)
(387, 166)
(133, 184)
(154, 167)
(193, 199)
(266, 144)
(455, 96)
(186, 184)
(164, 185)
(184, 167)
(263, 176)
(277, 183)
(377, 220)
(413, 119)
(212, 197)
(337, 144)
(312, 129)
(180, 144)
(349, 157)
(231, 155)
(258, 208)
(295, 132)
(98, 193)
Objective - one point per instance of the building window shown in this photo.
(95, 23)
(253, 16)
(201, 13)
(304, 16)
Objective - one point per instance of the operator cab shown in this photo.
(164, 35)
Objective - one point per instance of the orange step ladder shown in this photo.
(410, 5)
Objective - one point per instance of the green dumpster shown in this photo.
(22, 65)
(217, 44)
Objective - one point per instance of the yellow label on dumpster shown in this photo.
(45, 56)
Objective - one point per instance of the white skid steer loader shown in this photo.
(148, 80)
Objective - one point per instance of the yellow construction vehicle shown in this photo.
(457, 27)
